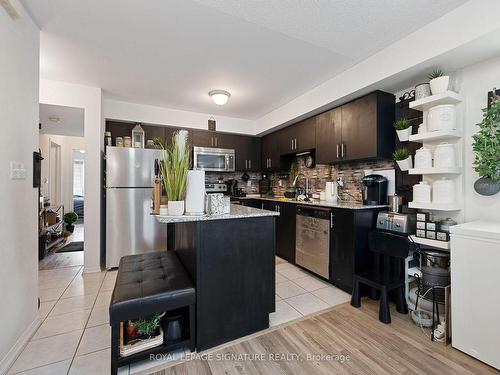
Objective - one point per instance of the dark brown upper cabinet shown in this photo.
(299, 137)
(329, 136)
(247, 151)
(271, 151)
(358, 130)
(367, 127)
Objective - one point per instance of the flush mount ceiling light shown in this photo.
(54, 119)
(219, 97)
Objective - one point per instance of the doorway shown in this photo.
(54, 185)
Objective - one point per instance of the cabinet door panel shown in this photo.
(343, 248)
(304, 135)
(359, 128)
(203, 138)
(329, 136)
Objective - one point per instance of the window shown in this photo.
(78, 179)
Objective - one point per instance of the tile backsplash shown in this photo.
(351, 173)
(250, 187)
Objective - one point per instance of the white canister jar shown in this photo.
(443, 191)
(423, 158)
(441, 117)
(422, 192)
(444, 156)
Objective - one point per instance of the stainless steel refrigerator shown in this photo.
(130, 228)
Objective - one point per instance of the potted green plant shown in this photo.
(174, 171)
(144, 328)
(486, 145)
(403, 129)
(403, 158)
(70, 218)
(439, 81)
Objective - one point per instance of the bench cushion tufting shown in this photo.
(150, 283)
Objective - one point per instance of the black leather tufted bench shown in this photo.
(147, 284)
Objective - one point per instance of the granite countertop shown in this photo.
(339, 204)
(237, 212)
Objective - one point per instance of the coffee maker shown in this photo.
(264, 185)
(375, 190)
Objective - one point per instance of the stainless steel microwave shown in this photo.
(213, 159)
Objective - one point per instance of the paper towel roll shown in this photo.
(195, 193)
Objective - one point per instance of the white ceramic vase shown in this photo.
(439, 84)
(404, 135)
(175, 208)
(405, 164)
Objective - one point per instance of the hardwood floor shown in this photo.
(365, 345)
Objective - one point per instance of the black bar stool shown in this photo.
(387, 273)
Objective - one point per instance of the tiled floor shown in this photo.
(74, 337)
(299, 293)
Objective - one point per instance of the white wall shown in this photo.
(68, 144)
(476, 81)
(90, 99)
(435, 43)
(119, 110)
(19, 58)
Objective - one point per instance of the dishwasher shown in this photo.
(312, 239)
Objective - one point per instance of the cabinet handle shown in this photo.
(342, 150)
(292, 144)
(246, 164)
(270, 163)
(295, 143)
(331, 220)
(215, 141)
(249, 164)
(338, 151)
(262, 206)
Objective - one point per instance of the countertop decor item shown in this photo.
(195, 193)
(403, 129)
(486, 145)
(422, 192)
(443, 191)
(174, 170)
(439, 82)
(403, 158)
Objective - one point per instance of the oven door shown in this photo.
(213, 159)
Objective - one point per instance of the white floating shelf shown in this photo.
(448, 97)
(438, 135)
(428, 242)
(435, 170)
(434, 206)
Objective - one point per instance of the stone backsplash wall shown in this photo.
(351, 173)
(250, 187)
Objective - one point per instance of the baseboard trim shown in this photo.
(15, 351)
(87, 269)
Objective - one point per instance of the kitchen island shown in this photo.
(231, 260)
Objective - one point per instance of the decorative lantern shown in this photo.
(138, 136)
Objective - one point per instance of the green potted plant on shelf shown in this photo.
(439, 81)
(144, 328)
(70, 219)
(403, 158)
(486, 145)
(403, 129)
(174, 169)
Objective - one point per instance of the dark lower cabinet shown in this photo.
(349, 246)
(285, 228)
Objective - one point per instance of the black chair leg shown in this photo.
(374, 294)
(115, 347)
(384, 314)
(401, 305)
(355, 298)
(192, 327)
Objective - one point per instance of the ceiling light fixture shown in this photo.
(54, 119)
(219, 97)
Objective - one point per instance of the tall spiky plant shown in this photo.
(175, 165)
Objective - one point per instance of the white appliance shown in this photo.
(475, 302)
(331, 191)
(130, 227)
(213, 159)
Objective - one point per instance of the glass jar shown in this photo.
(119, 142)
(127, 141)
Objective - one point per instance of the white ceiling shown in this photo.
(172, 52)
(70, 120)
